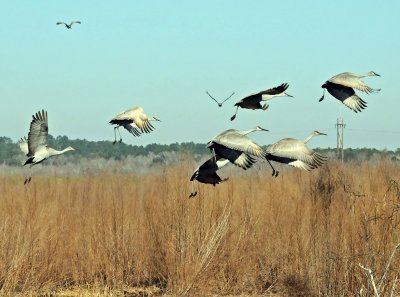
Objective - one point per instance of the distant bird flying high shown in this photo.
(207, 173)
(254, 101)
(219, 103)
(35, 147)
(134, 120)
(68, 26)
(342, 87)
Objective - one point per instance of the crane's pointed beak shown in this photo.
(289, 95)
(262, 129)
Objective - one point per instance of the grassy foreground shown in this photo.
(301, 234)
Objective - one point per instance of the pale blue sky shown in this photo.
(164, 55)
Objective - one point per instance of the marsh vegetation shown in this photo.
(301, 234)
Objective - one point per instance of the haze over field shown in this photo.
(165, 55)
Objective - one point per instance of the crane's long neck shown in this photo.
(371, 73)
(248, 131)
(309, 137)
(54, 152)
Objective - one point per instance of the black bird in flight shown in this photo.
(68, 26)
(254, 101)
(219, 103)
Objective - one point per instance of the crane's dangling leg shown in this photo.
(29, 178)
(194, 193)
(119, 132)
(323, 95)
(234, 116)
(265, 107)
(274, 172)
(115, 135)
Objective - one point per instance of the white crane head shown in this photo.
(283, 94)
(70, 148)
(315, 133)
(258, 128)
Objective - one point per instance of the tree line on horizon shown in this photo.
(10, 153)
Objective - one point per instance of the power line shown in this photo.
(375, 131)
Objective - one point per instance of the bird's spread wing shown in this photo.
(127, 115)
(213, 97)
(132, 128)
(233, 93)
(274, 91)
(23, 145)
(353, 81)
(244, 161)
(238, 158)
(252, 99)
(137, 116)
(207, 172)
(347, 96)
(236, 141)
(75, 22)
(208, 169)
(61, 23)
(142, 121)
(38, 132)
(355, 103)
(294, 152)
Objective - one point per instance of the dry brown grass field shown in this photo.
(301, 234)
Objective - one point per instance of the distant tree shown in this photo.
(11, 155)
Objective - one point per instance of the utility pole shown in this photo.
(339, 147)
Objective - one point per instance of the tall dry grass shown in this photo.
(301, 234)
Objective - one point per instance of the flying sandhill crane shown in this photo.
(68, 26)
(134, 120)
(342, 87)
(207, 173)
(296, 153)
(35, 147)
(219, 103)
(23, 145)
(254, 101)
(236, 147)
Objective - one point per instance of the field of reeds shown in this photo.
(108, 234)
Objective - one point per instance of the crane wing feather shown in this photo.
(352, 80)
(233, 140)
(38, 132)
(276, 90)
(23, 145)
(347, 96)
(291, 149)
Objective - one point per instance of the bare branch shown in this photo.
(380, 282)
(393, 287)
(371, 276)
